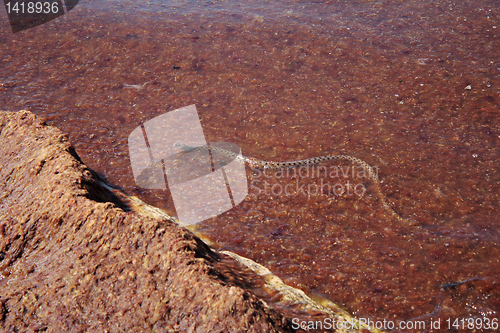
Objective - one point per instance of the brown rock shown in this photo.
(75, 257)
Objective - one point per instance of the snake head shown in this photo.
(183, 146)
(178, 145)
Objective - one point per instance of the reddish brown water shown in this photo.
(411, 87)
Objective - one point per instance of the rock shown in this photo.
(76, 256)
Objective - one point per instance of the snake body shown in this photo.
(266, 165)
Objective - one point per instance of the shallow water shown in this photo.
(411, 87)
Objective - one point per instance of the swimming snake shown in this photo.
(266, 165)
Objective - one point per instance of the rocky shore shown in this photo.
(75, 256)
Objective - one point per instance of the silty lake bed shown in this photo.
(410, 87)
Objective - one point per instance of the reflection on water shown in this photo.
(409, 87)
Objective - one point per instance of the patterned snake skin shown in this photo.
(265, 165)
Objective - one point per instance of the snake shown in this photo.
(255, 163)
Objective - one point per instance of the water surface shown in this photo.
(410, 87)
